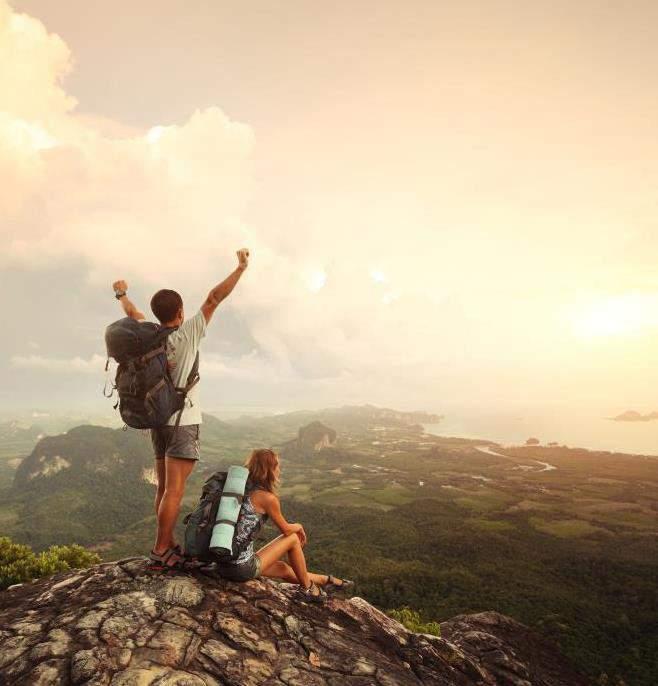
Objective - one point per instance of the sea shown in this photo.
(574, 430)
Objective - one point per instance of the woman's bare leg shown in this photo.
(282, 570)
(271, 565)
(280, 546)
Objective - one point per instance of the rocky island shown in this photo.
(633, 416)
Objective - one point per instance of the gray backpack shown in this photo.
(147, 395)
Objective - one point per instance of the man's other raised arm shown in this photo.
(223, 289)
(131, 311)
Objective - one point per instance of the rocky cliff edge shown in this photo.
(117, 624)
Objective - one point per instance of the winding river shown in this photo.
(546, 466)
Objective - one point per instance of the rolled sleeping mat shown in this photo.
(221, 540)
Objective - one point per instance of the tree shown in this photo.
(18, 563)
(412, 620)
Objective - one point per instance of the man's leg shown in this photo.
(177, 469)
(160, 475)
(159, 442)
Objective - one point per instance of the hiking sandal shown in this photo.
(189, 563)
(310, 596)
(170, 560)
(332, 587)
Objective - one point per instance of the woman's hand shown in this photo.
(301, 534)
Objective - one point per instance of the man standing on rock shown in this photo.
(177, 449)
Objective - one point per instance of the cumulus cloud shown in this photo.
(93, 365)
(370, 294)
(169, 200)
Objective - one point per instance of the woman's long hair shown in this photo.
(261, 465)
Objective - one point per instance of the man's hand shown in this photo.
(223, 289)
(243, 258)
(130, 310)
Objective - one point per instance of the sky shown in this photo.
(447, 205)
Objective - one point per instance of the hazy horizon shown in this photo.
(447, 206)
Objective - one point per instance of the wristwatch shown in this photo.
(119, 294)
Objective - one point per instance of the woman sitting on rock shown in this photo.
(260, 503)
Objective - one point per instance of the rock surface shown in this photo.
(117, 624)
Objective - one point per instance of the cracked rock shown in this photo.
(117, 624)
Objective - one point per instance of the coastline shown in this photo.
(595, 434)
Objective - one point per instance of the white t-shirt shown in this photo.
(182, 347)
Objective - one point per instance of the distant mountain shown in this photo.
(71, 456)
(19, 431)
(217, 430)
(359, 418)
(633, 416)
(83, 485)
(384, 415)
(310, 438)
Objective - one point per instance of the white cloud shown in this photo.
(368, 290)
(167, 200)
(93, 365)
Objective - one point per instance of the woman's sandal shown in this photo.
(169, 561)
(310, 596)
(333, 587)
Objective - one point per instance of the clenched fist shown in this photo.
(243, 258)
(120, 285)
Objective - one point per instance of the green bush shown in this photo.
(18, 563)
(412, 620)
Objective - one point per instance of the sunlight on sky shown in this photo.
(624, 315)
(155, 134)
(448, 222)
(315, 279)
(31, 135)
(378, 276)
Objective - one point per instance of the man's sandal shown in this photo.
(312, 594)
(334, 586)
(169, 561)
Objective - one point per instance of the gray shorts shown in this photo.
(242, 572)
(183, 443)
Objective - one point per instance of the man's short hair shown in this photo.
(165, 305)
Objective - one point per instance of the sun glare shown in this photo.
(30, 135)
(155, 134)
(617, 316)
(315, 279)
(378, 275)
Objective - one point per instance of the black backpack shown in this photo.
(147, 395)
(200, 522)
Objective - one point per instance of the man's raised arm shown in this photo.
(120, 287)
(223, 289)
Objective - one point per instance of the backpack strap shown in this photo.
(192, 380)
(193, 377)
(153, 353)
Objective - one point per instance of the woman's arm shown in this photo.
(273, 509)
